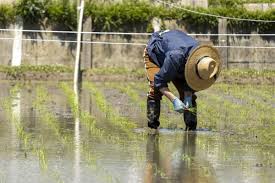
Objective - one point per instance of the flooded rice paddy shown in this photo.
(47, 135)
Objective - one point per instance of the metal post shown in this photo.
(78, 47)
(76, 80)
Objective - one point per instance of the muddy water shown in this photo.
(171, 155)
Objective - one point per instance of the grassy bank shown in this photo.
(47, 72)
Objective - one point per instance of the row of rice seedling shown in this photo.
(122, 123)
(35, 146)
(244, 93)
(241, 118)
(264, 92)
(263, 110)
(91, 157)
(102, 100)
(41, 100)
(208, 116)
(132, 90)
(87, 119)
(2, 177)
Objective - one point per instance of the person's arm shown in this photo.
(166, 92)
(166, 74)
(177, 103)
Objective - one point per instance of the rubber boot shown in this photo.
(190, 118)
(153, 113)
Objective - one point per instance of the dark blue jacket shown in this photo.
(170, 50)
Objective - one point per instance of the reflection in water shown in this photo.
(16, 109)
(152, 163)
(77, 142)
(179, 165)
(186, 171)
(171, 156)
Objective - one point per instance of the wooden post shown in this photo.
(223, 41)
(87, 52)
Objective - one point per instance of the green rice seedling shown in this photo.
(57, 177)
(242, 93)
(72, 99)
(88, 120)
(99, 133)
(2, 177)
(36, 147)
(251, 102)
(131, 90)
(246, 113)
(39, 104)
(41, 101)
(123, 123)
(265, 93)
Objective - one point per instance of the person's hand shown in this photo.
(187, 102)
(178, 105)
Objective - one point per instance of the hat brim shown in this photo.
(191, 75)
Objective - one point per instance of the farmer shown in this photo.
(173, 56)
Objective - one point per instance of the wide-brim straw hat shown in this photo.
(203, 67)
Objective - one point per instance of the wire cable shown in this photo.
(75, 32)
(133, 44)
(126, 33)
(213, 15)
(72, 41)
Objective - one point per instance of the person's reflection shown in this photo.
(187, 173)
(153, 159)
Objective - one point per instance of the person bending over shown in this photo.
(173, 56)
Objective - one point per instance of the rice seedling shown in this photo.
(242, 93)
(92, 159)
(227, 109)
(36, 147)
(131, 90)
(87, 119)
(2, 177)
(48, 118)
(101, 134)
(57, 177)
(261, 108)
(264, 92)
(121, 122)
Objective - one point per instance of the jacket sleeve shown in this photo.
(170, 68)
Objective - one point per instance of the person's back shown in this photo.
(163, 42)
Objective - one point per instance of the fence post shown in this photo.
(17, 43)
(78, 47)
(87, 49)
(223, 41)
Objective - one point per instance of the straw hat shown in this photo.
(202, 67)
